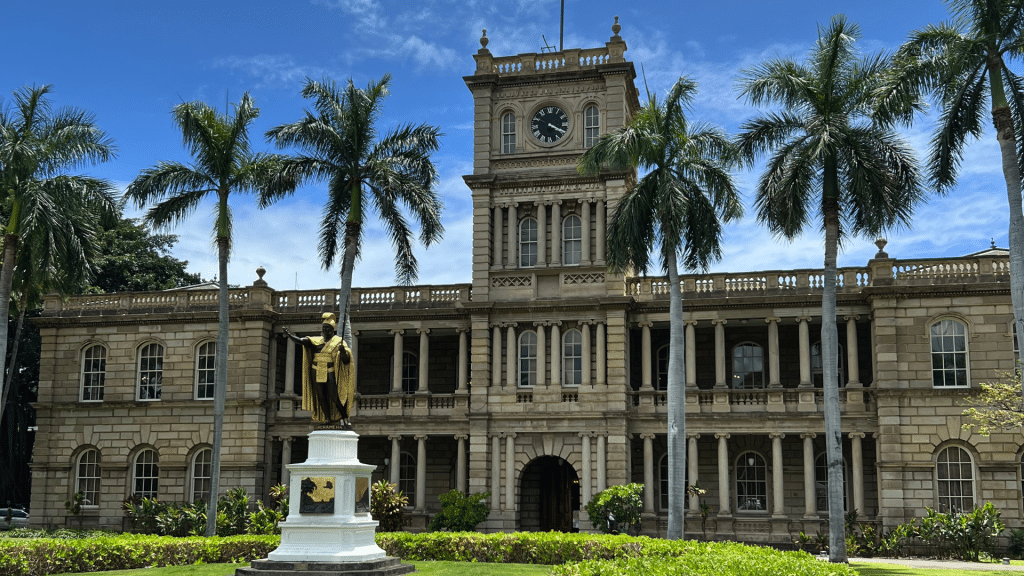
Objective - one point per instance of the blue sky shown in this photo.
(129, 62)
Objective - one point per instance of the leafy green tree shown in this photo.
(339, 143)
(131, 258)
(460, 512)
(676, 208)
(38, 145)
(828, 157)
(617, 507)
(964, 65)
(996, 406)
(387, 506)
(224, 163)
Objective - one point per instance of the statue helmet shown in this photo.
(330, 318)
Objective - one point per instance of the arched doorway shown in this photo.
(549, 492)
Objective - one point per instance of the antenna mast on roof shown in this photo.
(561, 28)
(546, 47)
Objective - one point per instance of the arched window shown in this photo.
(817, 374)
(591, 126)
(662, 361)
(751, 482)
(87, 476)
(528, 358)
(145, 474)
(572, 358)
(151, 371)
(954, 472)
(747, 366)
(572, 240)
(508, 133)
(949, 354)
(94, 372)
(528, 242)
(205, 355)
(821, 483)
(407, 476)
(202, 466)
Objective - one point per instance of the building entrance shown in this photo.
(549, 493)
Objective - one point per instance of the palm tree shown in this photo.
(964, 64)
(224, 163)
(339, 144)
(676, 208)
(37, 146)
(823, 140)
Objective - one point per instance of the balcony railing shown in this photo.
(754, 401)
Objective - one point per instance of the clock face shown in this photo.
(549, 124)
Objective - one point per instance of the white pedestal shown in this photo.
(343, 535)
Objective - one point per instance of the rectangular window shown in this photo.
(508, 133)
(151, 371)
(591, 126)
(94, 373)
(205, 370)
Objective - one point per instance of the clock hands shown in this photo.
(553, 127)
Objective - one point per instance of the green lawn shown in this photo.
(423, 568)
(879, 569)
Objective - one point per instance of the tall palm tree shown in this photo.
(964, 64)
(676, 208)
(829, 158)
(38, 145)
(224, 163)
(339, 143)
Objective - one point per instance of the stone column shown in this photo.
(510, 355)
(805, 352)
(496, 256)
(542, 232)
(858, 471)
(541, 358)
(556, 233)
(585, 244)
(773, 352)
(723, 475)
(421, 472)
(720, 353)
(585, 372)
(810, 498)
(286, 459)
(396, 458)
(422, 385)
(646, 382)
(602, 354)
(463, 359)
(460, 463)
(513, 237)
(556, 354)
(396, 362)
(601, 240)
(852, 360)
(587, 470)
(289, 367)
(691, 354)
(648, 472)
(510, 471)
(602, 457)
(778, 499)
(496, 355)
(692, 465)
(496, 472)
(355, 358)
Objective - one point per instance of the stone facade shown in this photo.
(542, 381)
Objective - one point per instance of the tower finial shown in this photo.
(616, 28)
(484, 40)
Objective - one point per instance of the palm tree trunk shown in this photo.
(676, 407)
(1003, 121)
(6, 280)
(348, 263)
(829, 361)
(9, 380)
(219, 385)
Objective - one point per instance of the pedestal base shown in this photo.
(386, 566)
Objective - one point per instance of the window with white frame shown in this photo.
(528, 358)
(206, 353)
(663, 492)
(821, 483)
(94, 372)
(751, 483)
(954, 473)
(151, 371)
(410, 372)
(528, 242)
(145, 474)
(949, 354)
(202, 470)
(818, 374)
(407, 476)
(572, 358)
(508, 133)
(87, 477)
(747, 366)
(572, 240)
(591, 126)
(662, 362)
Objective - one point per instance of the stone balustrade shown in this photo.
(399, 404)
(796, 400)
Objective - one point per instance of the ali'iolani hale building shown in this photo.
(543, 380)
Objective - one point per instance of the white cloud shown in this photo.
(272, 70)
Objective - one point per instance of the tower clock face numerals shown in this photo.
(549, 124)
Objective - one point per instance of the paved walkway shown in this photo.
(943, 564)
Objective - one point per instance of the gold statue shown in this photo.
(328, 383)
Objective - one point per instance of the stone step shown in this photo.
(388, 566)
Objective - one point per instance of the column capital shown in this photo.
(396, 331)
(857, 435)
(771, 319)
(420, 437)
(509, 435)
(356, 333)
(803, 318)
(285, 438)
(462, 436)
(463, 329)
(394, 437)
(694, 436)
(423, 330)
(647, 435)
(645, 324)
(806, 435)
(851, 317)
(509, 324)
(721, 321)
(689, 322)
(590, 322)
(720, 435)
(542, 323)
(774, 435)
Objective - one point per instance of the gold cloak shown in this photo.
(343, 375)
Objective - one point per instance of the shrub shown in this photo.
(232, 512)
(182, 519)
(1017, 543)
(963, 535)
(387, 506)
(461, 513)
(617, 506)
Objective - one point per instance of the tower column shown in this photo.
(510, 471)
(460, 463)
(510, 355)
(541, 358)
(424, 367)
(496, 237)
(602, 458)
(692, 464)
(286, 459)
(723, 475)
(556, 233)
(778, 503)
(585, 372)
(645, 356)
(648, 472)
(805, 352)
(396, 458)
(691, 354)
(602, 354)
(857, 454)
(396, 361)
(599, 249)
(542, 232)
(421, 472)
(289, 367)
(585, 244)
(496, 355)
(773, 352)
(556, 354)
(513, 237)
(852, 360)
(463, 360)
(720, 353)
(495, 472)
(810, 502)
(587, 470)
